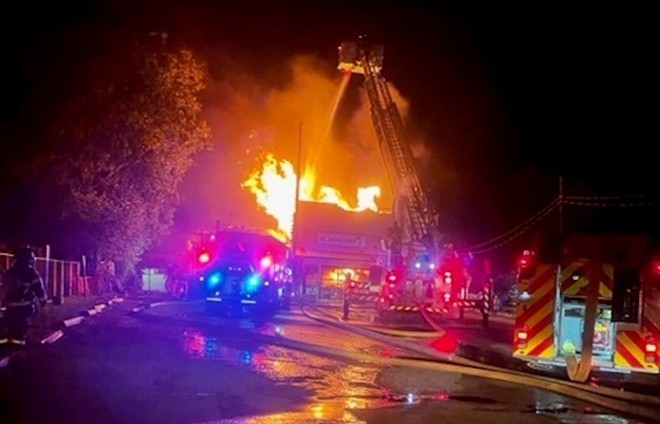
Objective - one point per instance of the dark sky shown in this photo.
(507, 98)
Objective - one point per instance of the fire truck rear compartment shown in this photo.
(236, 289)
(571, 324)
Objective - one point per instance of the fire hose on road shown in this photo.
(624, 402)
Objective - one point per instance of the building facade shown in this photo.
(333, 246)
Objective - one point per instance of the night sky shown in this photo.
(504, 99)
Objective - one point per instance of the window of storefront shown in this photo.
(333, 280)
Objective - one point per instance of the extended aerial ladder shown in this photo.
(416, 221)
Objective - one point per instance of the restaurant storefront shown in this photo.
(335, 246)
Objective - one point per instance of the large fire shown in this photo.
(274, 186)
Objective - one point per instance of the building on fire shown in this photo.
(334, 245)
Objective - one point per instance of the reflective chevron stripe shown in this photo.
(536, 314)
(410, 308)
(574, 280)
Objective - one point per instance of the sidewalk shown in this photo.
(51, 322)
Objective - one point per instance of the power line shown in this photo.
(613, 197)
(525, 224)
(611, 205)
(517, 234)
(583, 201)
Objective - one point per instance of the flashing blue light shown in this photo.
(246, 357)
(418, 265)
(215, 279)
(252, 283)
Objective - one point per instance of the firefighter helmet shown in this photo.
(25, 255)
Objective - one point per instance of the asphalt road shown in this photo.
(173, 364)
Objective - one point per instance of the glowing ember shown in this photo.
(274, 187)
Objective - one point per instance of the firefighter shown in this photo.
(23, 294)
(348, 293)
(430, 293)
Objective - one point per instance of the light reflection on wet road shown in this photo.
(338, 387)
(173, 364)
(342, 390)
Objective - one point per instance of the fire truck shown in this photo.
(418, 263)
(596, 306)
(242, 271)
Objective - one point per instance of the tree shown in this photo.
(123, 147)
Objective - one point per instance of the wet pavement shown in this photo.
(171, 363)
(469, 338)
(52, 320)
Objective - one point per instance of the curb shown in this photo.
(66, 323)
(72, 321)
(141, 308)
(145, 305)
(52, 337)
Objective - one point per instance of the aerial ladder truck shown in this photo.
(416, 256)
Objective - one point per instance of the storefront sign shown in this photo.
(341, 240)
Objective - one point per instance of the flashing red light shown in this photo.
(352, 284)
(655, 267)
(266, 261)
(526, 259)
(527, 265)
(204, 258)
(391, 277)
(447, 277)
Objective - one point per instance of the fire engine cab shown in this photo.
(595, 307)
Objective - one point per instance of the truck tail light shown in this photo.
(521, 338)
(651, 350)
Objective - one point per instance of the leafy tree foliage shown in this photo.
(124, 146)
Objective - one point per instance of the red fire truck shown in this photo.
(417, 262)
(596, 307)
(240, 271)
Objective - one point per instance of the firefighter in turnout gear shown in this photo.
(22, 293)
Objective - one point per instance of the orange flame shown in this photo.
(274, 186)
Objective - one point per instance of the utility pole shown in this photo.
(296, 218)
(296, 199)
